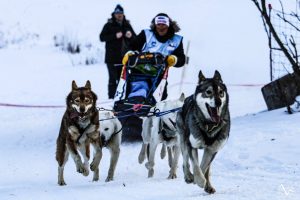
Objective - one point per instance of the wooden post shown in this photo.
(184, 68)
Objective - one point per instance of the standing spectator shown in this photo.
(117, 34)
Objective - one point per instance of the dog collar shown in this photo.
(105, 142)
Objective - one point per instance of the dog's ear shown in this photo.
(217, 76)
(94, 97)
(74, 85)
(182, 97)
(88, 85)
(201, 77)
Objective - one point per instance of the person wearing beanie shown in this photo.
(161, 38)
(117, 33)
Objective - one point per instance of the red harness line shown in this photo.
(137, 107)
(236, 85)
(109, 101)
(29, 106)
(41, 106)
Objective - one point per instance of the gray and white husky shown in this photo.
(203, 123)
(163, 130)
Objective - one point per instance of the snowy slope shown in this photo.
(259, 161)
(224, 35)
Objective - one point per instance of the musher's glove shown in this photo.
(171, 60)
(126, 56)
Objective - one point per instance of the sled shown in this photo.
(147, 67)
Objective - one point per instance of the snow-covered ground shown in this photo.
(260, 160)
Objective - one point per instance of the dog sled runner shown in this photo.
(141, 84)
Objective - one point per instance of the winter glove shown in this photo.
(126, 56)
(171, 60)
(128, 34)
(119, 35)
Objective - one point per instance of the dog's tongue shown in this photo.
(214, 115)
(74, 115)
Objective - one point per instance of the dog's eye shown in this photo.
(106, 129)
(77, 100)
(208, 92)
(221, 93)
(87, 100)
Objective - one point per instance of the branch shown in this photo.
(293, 43)
(295, 15)
(287, 44)
(278, 49)
(282, 9)
(264, 23)
(266, 30)
(284, 19)
(263, 11)
(287, 21)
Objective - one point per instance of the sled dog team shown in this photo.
(202, 123)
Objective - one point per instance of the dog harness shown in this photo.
(166, 131)
(106, 142)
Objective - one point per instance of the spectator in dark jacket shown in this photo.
(117, 34)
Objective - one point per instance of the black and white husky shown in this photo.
(203, 123)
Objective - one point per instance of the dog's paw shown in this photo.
(94, 165)
(109, 178)
(61, 183)
(86, 172)
(96, 175)
(209, 189)
(86, 169)
(96, 178)
(141, 158)
(189, 178)
(82, 170)
(150, 173)
(172, 176)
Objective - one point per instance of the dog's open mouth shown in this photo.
(213, 112)
(75, 114)
(82, 114)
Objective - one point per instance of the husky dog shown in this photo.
(79, 128)
(203, 123)
(111, 133)
(161, 130)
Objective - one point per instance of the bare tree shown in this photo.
(283, 91)
(288, 47)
